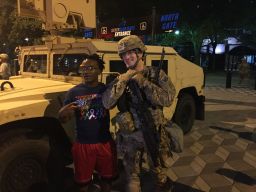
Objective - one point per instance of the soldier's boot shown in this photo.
(164, 183)
(166, 160)
(165, 187)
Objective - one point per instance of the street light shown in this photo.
(177, 32)
(26, 39)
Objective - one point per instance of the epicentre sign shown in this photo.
(120, 29)
(122, 33)
(117, 31)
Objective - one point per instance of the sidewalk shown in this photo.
(220, 152)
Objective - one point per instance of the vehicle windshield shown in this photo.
(35, 63)
(67, 64)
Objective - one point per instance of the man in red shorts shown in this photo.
(93, 148)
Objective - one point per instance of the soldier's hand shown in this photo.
(128, 75)
(139, 78)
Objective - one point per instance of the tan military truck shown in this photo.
(29, 103)
(32, 140)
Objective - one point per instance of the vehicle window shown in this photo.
(35, 63)
(67, 64)
(164, 65)
(117, 66)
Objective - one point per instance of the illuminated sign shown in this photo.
(120, 29)
(104, 30)
(139, 26)
(169, 21)
(168, 25)
(122, 33)
(117, 28)
(143, 26)
(88, 34)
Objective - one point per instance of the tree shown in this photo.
(16, 30)
(25, 31)
(6, 7)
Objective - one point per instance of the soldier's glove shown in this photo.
(140, 79)
(128, 75)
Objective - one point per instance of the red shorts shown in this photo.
(100, 157)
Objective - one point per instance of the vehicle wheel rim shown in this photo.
(21, 174)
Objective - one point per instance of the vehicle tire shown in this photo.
(22, 164)
(185, 112)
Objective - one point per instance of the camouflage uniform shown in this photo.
(130, 141)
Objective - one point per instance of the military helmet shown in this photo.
(130, 42)
(3, 56)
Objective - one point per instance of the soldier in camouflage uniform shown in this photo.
(158, 92)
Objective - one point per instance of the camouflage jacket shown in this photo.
(158, 93)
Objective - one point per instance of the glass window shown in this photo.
(67, 64)
(35, 63)
(164, 65)
(117, 66)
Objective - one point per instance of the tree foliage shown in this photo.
(25, 31)
(14, 30)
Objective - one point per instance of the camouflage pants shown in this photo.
(136, 159)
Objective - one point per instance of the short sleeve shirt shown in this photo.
(92, 119)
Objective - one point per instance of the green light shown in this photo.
(177, 32)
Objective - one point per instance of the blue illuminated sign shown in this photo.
(169, 25)
(169, 21)
(88, 34)
(128, 28)
(169, 17)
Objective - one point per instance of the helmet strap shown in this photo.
(138, 59)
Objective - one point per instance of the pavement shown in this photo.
(220, 152)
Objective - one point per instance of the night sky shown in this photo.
(191, 11)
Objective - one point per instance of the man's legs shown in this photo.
(84, 157)
(106, 164)
(163, 182)
(132, 164)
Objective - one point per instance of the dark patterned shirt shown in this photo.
(92, 118)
